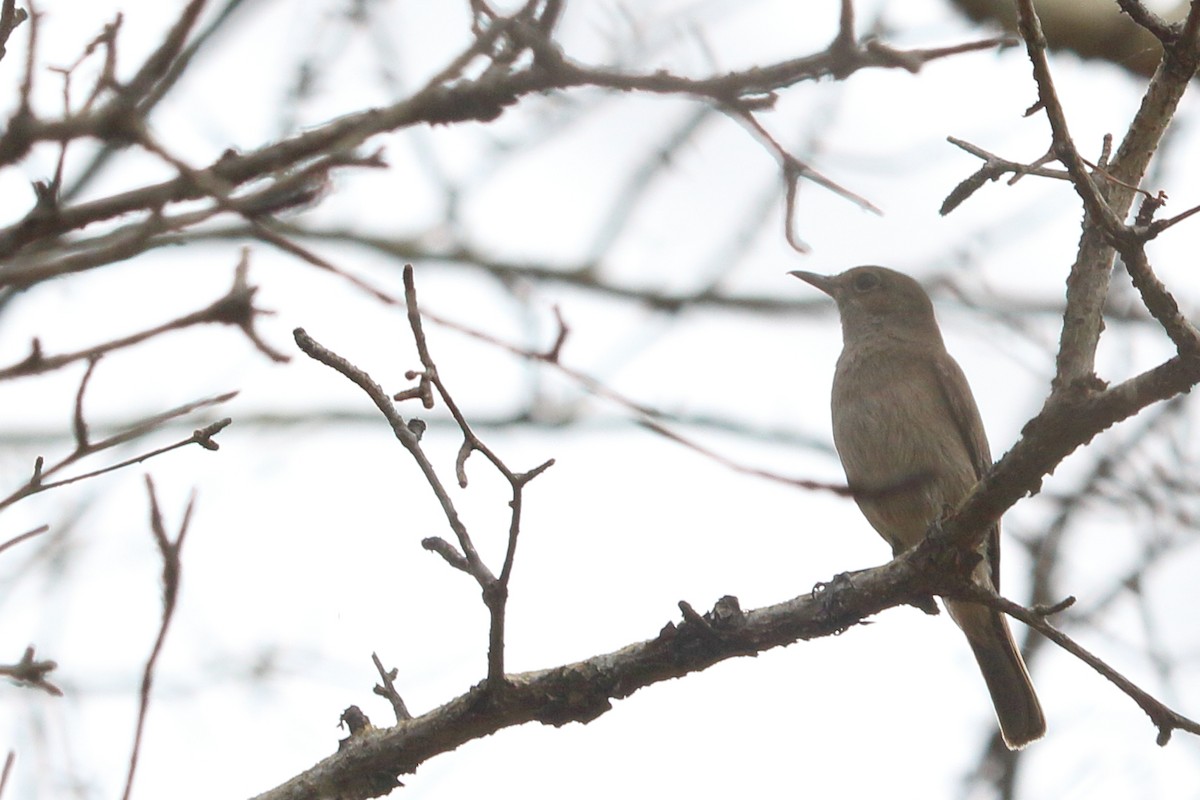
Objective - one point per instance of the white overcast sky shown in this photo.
(305, 553)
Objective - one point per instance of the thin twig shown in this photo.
(22, 537)
(651, 418)
(1157, 299)
(203, 437)
(1064, 146)
(496, 593)
(235, 308)
(388, 689)
(1165, 719)
(12, 756)
(32, 671)
(171, 568)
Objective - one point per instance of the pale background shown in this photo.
(304, 556)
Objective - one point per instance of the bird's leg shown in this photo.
(925, 602)
(828, 596)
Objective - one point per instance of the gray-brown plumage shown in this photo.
(912, 444)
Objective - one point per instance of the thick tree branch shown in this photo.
(1064, 424)
(584, 690)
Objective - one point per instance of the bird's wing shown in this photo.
(957, 394)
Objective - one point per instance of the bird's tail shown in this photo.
(1017, 708)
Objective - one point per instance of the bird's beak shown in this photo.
(823, 282)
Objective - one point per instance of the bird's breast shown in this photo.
(892, 424)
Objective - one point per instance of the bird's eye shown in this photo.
(865, 281)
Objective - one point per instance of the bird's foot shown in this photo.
(829, 596)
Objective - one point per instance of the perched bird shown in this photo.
(912, 444)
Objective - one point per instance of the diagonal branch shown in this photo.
(1164, 718)
(1066, 422)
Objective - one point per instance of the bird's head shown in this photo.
(877, 299)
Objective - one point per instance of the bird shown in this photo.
(912, 443)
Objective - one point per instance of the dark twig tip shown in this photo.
(204, 436)
(1056, 608)
(460, 461)
(526, 477)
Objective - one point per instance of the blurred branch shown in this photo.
(449, 97)
(32, 672)
(11, 757)
(236, 307)
(589, 276)
(10, 18)
(24, 536)
(172, 567)
(994, 167)
(84, 447)
(646, 416)
(166, 80)
(1163, 717)
(159, 63)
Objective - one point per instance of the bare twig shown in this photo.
(465, 557)
(172, 566)
(12, 756)
(78, 424)
(652, 419)
(994, 167)
(159, 87)
(388, 689)
(1165, 719)
(1158, 301)
(1162, 30)
(24, 113)
(495, 593)
(472, 442)
(157, 65)
(793, 170)
(31, 671)
(203, 437)
(1158, 226)
(236, 308)
(22, 537)
(407, 438)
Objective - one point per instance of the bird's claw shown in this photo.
(829, 595)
